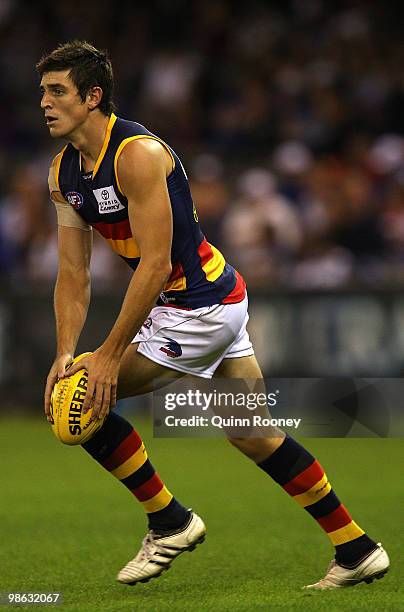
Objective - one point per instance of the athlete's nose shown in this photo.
(45, 101)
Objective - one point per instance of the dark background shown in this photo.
(289, 120)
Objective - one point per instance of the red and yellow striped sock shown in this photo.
(120, 450)
(300, 475)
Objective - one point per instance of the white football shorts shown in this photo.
(195, 341)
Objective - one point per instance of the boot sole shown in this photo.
(165, 569)
(378, 576)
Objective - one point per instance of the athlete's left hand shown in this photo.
(103, 370)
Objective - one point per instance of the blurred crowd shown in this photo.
(288, 117)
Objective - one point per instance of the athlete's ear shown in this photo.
(94, 97)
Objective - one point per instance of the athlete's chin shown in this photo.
(57, 132)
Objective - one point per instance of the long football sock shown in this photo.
(120, 450)
(300, 475)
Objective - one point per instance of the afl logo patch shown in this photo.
(75, 199)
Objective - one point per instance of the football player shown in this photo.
(116, 177)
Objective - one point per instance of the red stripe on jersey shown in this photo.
(116, 231)
(305, 480)
(335, 520)
(126, 449)
(238, 293)
(205, 252)
(176, 272)
(148, 489)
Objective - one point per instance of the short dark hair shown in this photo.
(89, 68)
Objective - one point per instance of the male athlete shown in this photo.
(118, 178)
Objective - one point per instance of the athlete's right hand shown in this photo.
(57, 370)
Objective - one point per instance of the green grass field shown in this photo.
(67, 526)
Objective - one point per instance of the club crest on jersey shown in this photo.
(108, 201)
(171, 348)
(75, 199)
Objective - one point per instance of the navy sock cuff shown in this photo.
(108, 438)
(171, 517)
(289, 460)
(352, 553)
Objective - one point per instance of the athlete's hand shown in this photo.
(57, 371)
(103, 370)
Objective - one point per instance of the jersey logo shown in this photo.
(75, 199)
(108, 201)
(171, 348)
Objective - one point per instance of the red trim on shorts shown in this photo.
(178, 307)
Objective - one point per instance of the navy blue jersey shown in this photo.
(200, 275)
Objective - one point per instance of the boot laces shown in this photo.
(148, 547)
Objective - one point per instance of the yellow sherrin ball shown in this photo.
(70, 425)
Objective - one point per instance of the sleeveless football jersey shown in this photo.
(200, 275)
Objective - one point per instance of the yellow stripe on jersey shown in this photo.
(105, 144)
(131, 465)
(57, 161)
(138, 137)
(180, 284)
(315, 493)
(215, 266)
(345, 534)
(126, 248)
(158, 502)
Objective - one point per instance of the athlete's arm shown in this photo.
(72, 290)
(71, 299)
(142, 170)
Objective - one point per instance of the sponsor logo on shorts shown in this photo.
(148, 323)
(171, 348)
(107, 200)
(75, 199)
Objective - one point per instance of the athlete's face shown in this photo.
(64, 109)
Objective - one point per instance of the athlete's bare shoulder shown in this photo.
(144, 155)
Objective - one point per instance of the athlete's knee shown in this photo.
(257, 449)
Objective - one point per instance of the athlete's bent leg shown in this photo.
(138, 374)
(257, 449)
(302, 477)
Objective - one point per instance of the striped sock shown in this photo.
(120, 450)
(300, 475)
